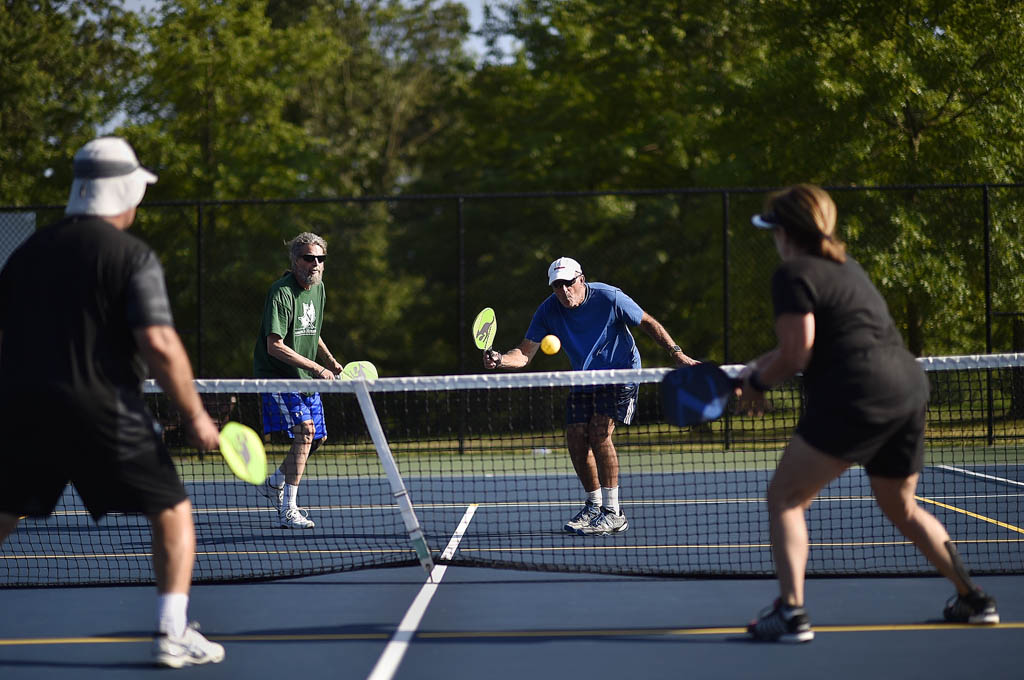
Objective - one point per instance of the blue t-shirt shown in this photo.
(594, 335)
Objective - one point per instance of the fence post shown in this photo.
(987, 218)
(726, 358)
(461, 293)
(199, 289)
(461, 299)
(725, 304)
(987, 228)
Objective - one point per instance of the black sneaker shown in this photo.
(781, 623)
(974, 607)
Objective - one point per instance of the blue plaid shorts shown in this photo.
(282, 411)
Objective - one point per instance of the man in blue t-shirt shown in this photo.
(592, 320)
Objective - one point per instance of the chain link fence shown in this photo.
(405, 275)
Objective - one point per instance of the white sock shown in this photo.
(291, 493)
(276, 479)
(611, 498)
(172, 613)
(594, 497)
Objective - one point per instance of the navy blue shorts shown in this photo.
(282, 411)
(618, 402)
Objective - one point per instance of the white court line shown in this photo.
(387, 664)
(1004, 480)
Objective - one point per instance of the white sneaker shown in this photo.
(582, 518)
(295, 518)
(190, 649)
(272, 493)
(606, 523)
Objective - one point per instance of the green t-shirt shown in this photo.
(296, 314)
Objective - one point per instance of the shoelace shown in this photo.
(292, 513)
(585, 512)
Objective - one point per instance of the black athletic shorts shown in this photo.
(112, 453)
(891, 448)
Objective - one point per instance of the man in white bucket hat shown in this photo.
(83, 312)
(109, 180)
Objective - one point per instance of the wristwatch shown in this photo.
(675, 348)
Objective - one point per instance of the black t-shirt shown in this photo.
(70, 298)
(858, 357)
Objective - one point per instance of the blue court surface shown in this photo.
(473, 622)
(497, 624)
(697, 523)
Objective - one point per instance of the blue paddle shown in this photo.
(696, 394)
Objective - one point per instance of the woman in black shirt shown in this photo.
(866, 401)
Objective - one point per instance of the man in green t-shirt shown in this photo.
(289, 346)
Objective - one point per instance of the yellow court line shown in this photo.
(11, 642)
(477, 634)
(330, 637)
(972, 514)
(643, 632)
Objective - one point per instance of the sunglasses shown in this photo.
(314, 258)
(560, 283)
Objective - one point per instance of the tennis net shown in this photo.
(484, 460)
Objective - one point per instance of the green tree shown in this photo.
(212, 108)
(246, 100)
(596, 96)
(884, 93)
(65, 69)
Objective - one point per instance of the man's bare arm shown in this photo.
(517, 357)
(282, 352)
(169, 365)
(327, 358)
(661, 336)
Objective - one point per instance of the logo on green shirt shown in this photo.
(307, 321)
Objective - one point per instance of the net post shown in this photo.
(398, 490)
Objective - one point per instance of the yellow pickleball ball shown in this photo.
(550, 344)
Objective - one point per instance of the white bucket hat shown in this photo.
(109, 179)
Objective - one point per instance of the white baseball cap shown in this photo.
(563, 269)
(109, 179)
(765, 221)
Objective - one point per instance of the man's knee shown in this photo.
(788, 494)
(304, 432)
(599, 431)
